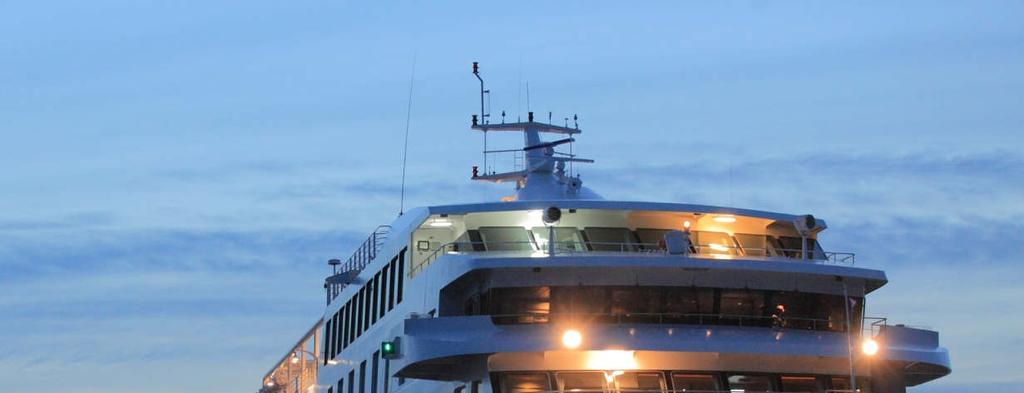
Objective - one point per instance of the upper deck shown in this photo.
(598, 227)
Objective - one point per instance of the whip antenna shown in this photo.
(405, 149)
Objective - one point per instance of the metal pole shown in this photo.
(551, 240)
(849, 333)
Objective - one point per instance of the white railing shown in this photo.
(711, 251)
(360, 258)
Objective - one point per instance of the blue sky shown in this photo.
(174, 174)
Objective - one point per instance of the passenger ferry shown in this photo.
(554, 289)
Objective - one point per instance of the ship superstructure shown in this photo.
(554, 289)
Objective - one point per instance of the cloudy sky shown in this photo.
(174, 174)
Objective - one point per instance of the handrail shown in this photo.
(575, 248)
(778, 322)
(631, 390)
(362, 256)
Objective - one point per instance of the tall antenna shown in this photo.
(483, 115)
(405, 149)
(519, 99)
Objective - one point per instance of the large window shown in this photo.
(715, 243)
(742, 307)
(566, 238)
(682, 382)
(639, 382)
(586, 381)
(610, 239)
(506, 239)
(669, 305)
(800, 383)
(525, 383)
(750, 383)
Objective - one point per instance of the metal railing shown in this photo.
(368, 250)
(779, 322)
(362, 256)
(578, 248)
(630, 390)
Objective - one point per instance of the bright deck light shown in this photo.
(869, 347)
(611, 360)
(572, 339)
(718, 247)
(440, 223)
(725, 219)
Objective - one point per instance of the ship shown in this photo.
(556, 289)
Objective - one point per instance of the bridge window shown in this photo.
(506, 239)
(639, 382)
(753, 245)
(610, 239)
(525, 383)
(795, 383)
(658, 304)
(715, 243)
(587, 381)
(750, 383)
(566, 238)
(694, 382)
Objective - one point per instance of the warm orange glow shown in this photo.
(869, 347)
(718, 247)
(611, 360)
(572, 339)
(725, 219)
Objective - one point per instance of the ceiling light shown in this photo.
(440, 223)
(725, 219)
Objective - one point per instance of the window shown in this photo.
(392, 267)
(330, 389)
(794, 383)
(376, 295)
(566, 238)
(753, 245)
(506, 239)
(742, 307)
(336, 337)
(327, 340)
(697, 382)
(384, 291)
(352, 320)
(342, 339)
(688, 305)
(341, 385)
(367, 295)
(589, 301)
(651, 239)
(639, 382)
(374, 375)
(351, 381)
(524, 383)
(609, 239)
(751, 383)
(521, 305)
(589, 381)
(362, 377)
(715, 243)
(401, 275)
(359, 311)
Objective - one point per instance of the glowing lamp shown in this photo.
(869, 347)
(572, 339)
(725, 219)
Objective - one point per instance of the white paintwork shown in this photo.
(481, 346)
